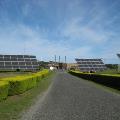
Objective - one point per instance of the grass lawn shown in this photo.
(11, 108)
(109, 71)
(12, 74)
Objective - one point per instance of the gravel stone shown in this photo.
(72, 98)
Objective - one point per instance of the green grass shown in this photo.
(109, 71)
(11, 108)
(12, 74)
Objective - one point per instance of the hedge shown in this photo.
(4, 86)
(41, 75)
(112, 81)
(19, 84)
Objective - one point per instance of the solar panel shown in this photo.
(6, 56)
(29, 67)
(20, 56)
(1, 56)
(7, 59)
(27, 59)
(28, 63)
(1, 59)
(15, 67)
(22, 66)
(13, 56)
(33, 57)
(26, 56)
(1, 63)
(118, 55)
(13, 59)
(1, 66)
(22, 62)
(21, 59)
(87, 65)
(9, 67)
(34, 63)
(15, 63)
(7, 63)
(35, 67)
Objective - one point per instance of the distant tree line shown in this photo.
(112, 66)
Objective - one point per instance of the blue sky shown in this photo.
(75, 28)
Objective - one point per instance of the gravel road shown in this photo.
(72, 98)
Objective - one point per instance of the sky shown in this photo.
(72, 28)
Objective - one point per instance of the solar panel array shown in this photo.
(118, 64)
(21, 62)
(118, 55)
(87, 65)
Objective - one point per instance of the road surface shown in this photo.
(72, 98)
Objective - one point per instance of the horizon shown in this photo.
(76, 29)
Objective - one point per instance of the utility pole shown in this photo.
(65, 59)
(24, 51)
(59, 59)
(55, 58)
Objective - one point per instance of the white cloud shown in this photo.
(26, 9)
(21, 38)
(109, 52)
(82, 32)
(75, 30)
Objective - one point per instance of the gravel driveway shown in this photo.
(72, 98)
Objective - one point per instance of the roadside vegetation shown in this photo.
(109, 71)
(12, 107)
(109, 80)
(12, 74)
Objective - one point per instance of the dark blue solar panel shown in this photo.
(90, 64)
(18, 62)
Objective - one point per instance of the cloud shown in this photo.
(26, 9)
(75, 30)
(22, 39)
(71, 28)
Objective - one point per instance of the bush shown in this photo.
(105, 79)
(31, 82)
(4, 86)
(20, 84)
(41, 74)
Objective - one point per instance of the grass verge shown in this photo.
(11, 108)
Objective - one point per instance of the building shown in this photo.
(90, 65)
(18, 63)
(71, 66)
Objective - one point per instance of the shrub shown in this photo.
(20, 84)
(31, 82)
(105, 79)
(41, 74)
(4, 86)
